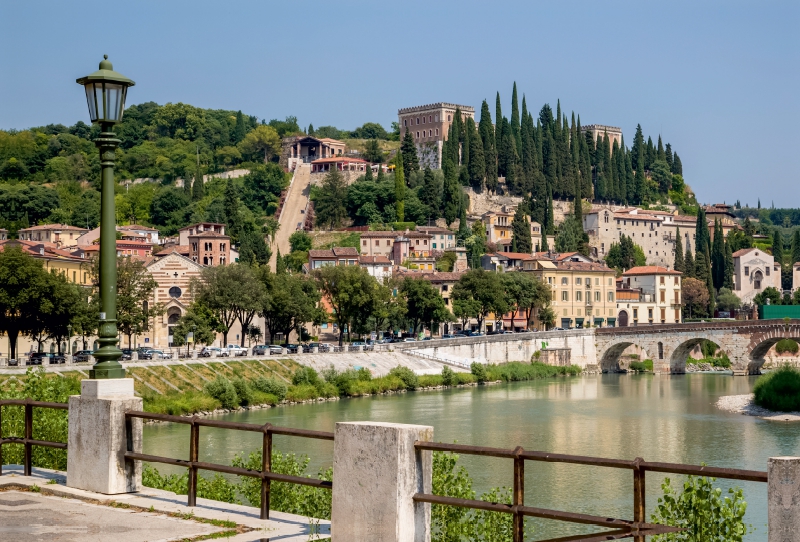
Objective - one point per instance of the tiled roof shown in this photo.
(434, 276)
(743, 251)
(333, 252)
(583, 266)
(514, 255)
(381, 234)
(136, 227)
(39, 249)
(434, 229)
(209, 233)
(650, 270)
(374, 260)
(183, 250)
(53, 227)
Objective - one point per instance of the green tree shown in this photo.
(201, 322)
(424, 305)
(727, 300)
(253, 249)
(408, 152)
(400, 189)
(198, 187)
(330, 200)
(718, 257)
(431, 193)
(521, 232)
(373, 152)
(727, 281)
(777, 247)
(452, 193)
(770, 293)
(477, 166)
(262, 141)
(291, 302)
(351, 292)
(485, 289)
(231, 292)
(679, 264)
(231, 205)
(486, 130)
(521, 294)
(300, 241)
(571, 237)
(695, 297)
(796, 246)
(625, 255)
(688, 262)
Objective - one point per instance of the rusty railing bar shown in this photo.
(194, 444)
(266, 466)
(699, 470)
(37, 404)
(28, 437)
(518, 495)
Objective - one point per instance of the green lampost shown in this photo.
(105, 94)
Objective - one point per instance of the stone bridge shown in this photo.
(745, 342)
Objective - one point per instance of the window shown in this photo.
(578, 296)
(417, 120)
(588, 282)
(430, 133)
(74, 276)
(405, 122)
(377, 243)
(437, 131)
(663, 316)
(175, 292)
(609, 281)
(597, 295)
(663, 296)
(430, 118)
(565, 296)
(448, 118)
(597, 281)
(746, 270)
(444, 287)
(767, 270)
(611, 296)
(676, 281)
(578, 280)
(677, 297)
(636, 313)
(662, 280)
(417, 134)
(423, 120)
(650, 314)
(363, 242)
(436, 118)
(564, 280)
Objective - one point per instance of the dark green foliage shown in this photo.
(796, 246)
(400, 189)
(486, 130)
(330, 201)
(448, 376)
(777, 247)
(430, 194)
(786, 345)
(305, 376)
(409, 378)
(679, 264)
(779, 390)
(521, 233)
(409, 154)
(223, 391)
(727, 279)
(770, 293)
(476, 168)
(571, 237)
(479, 371)
(625, 254)
(718, 257)
(688, 263)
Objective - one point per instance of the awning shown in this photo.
(578, 322)
(612, 321)
(598, 321)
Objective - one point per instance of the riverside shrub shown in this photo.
(779, 390)
(223, 391)
(243, 391)
(448, 376)
(409, 378)
(270, 386)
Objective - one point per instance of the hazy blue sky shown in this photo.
(719, 80)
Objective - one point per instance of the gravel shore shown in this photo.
(743, 404)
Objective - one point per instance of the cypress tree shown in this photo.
(679, 264)
(486, 130)
(368, 174)
(669, 158)
(239, 130)
(400, 189)
(650, 154)
(521, 232)
(637, 150)
(709, 285)
(463, 175)
(718, 257)
(198, 188)
(381, 176)
(677, 167)
(477, 165)
(431, 193)
(660, 154)
(796, 246)
(515, 124)
(551, 228)
(702, 241)
(728, 278)
(310, 129)
(409, 152)
(187, 186)
(498, 113)
(452, 193)
(280, 264)
(688, 263)
(463, 229)
(777, 247)
(577, 205)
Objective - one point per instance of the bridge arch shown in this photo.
(677, 361)
(610, 360)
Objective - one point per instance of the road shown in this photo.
(293, 210)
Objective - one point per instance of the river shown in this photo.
(658, 418)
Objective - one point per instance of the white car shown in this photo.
(234, 350)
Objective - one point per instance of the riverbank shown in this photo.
(744, 404)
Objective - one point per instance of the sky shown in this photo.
(719, 80)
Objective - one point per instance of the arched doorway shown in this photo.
(623, 319)
(173, 316)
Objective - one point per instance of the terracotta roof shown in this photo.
(177, 249)
(39, 249)
(333, 252)
(434, 229)
(209, 233)
(743, 251)
(433, 276)
(381, 234)
(329, 140)
(53, 227)
(201, 224)
(650, 270)
(335, 159)
(374, 260)
(514, 255)
(136, 227)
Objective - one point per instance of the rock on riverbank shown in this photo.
(743, 404)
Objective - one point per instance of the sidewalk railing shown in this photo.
(638, 528)
(265, 473)
(27, 440)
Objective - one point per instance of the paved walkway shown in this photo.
(62, 514)
(293, 210)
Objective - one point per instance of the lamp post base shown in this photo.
(101, 373)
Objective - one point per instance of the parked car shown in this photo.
(155, 354)
(260, 349)
(13, 362)
(275, 349)
(82, 356)
(358, 343)
(38, 358)
(234, 350)
(291, 348)
(409, 340)
(209, 351)
(321, 347)
(448, 336)
(127, 354)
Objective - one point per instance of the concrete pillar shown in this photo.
(91, 359)
(315, 349)
(134, 356)
(194, 354)
(359, 348)
(299, 350)
(284, 351)
(783, 498)
(68, 359)
(97, 438)
(376, 473)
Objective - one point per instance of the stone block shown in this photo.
(98, 438)
(783, 499)
(377, 471)
(315, 350)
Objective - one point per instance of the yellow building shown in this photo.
(583, 293)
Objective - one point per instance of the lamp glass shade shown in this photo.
(106, 100)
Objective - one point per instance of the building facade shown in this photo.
(60, 235)
(332, 256)
(306, 149)
(754, 271)
(649, 295)
(599, 130)
(379, 267)
(429, 125)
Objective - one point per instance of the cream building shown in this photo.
(61, 235)
(429, 125)
(753, 271)
(649, 295)
(600, 130)
(582, 292)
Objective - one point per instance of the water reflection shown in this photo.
(659, 418)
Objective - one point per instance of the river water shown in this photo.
(658, 418)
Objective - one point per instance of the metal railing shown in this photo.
(194, 465)
(28, 441)
(638, 528)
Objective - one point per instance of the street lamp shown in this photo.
(69, 339)
(105, 95)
